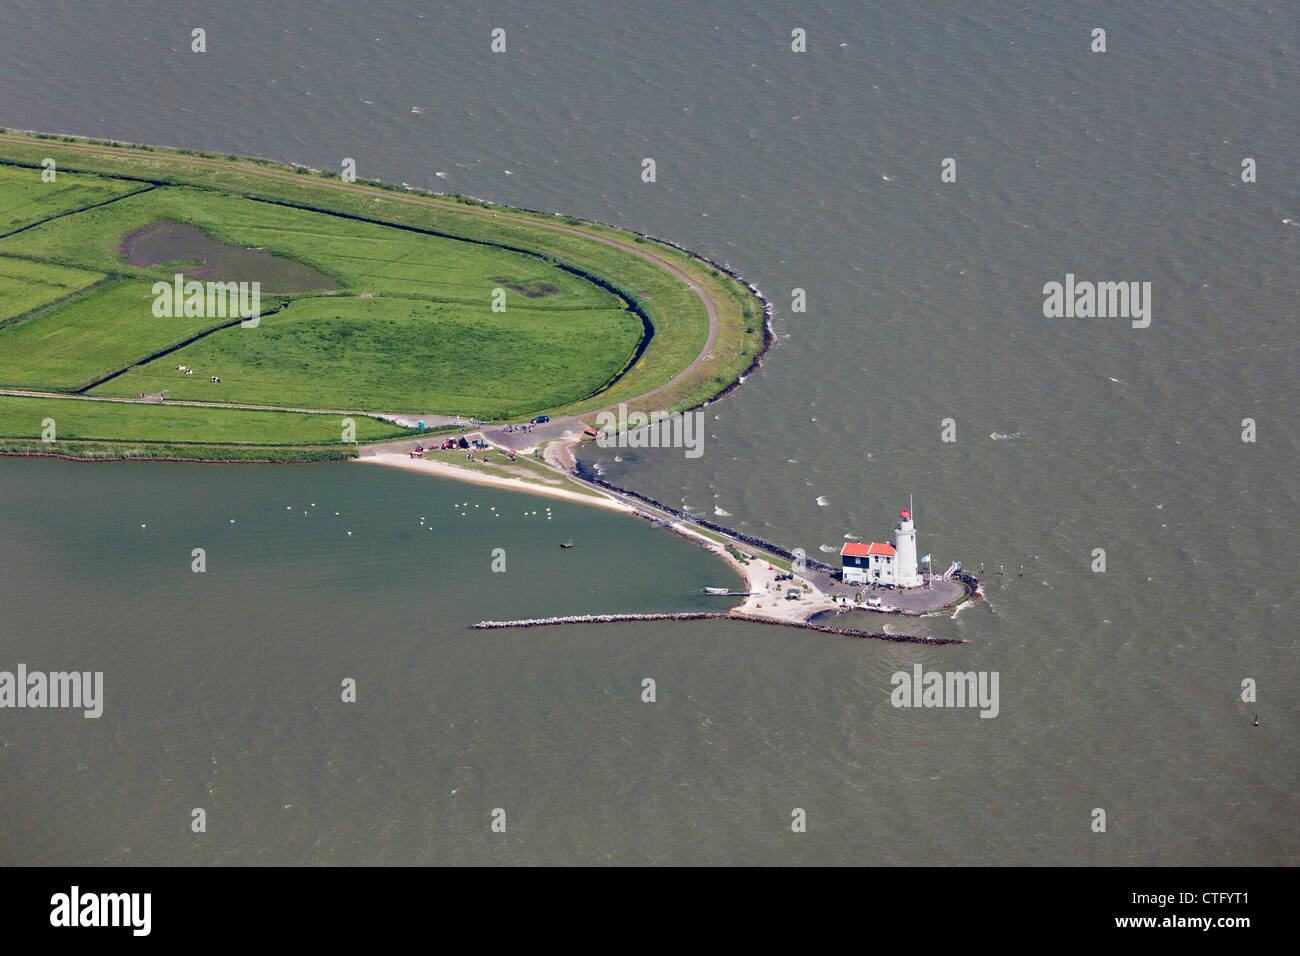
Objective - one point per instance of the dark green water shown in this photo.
(223, 688)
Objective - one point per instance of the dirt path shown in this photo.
(430, 421)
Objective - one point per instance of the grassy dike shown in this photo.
(677, 314)
(97, 430)
(171, 451)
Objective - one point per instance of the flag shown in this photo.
(925, 558)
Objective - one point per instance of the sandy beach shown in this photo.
(766, 597)
(445, 470)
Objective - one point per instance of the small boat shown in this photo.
(566, 544)
(717, 590)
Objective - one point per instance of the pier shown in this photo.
(705, 616)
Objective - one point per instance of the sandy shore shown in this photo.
(766, 593)
(444, 470)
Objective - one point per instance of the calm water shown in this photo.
(821, 171)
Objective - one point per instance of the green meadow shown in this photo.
(24, 418)
(362, 257)
(407, 317)
(26, 199)
(397, 355)
(67, 348)
(25, 286)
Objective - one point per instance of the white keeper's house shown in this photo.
(877, 563)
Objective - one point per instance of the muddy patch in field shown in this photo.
(533, 290)
(199, 256)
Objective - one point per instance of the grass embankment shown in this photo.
(499, 465)
(676, 312)
(163, 451)
(754, 553)
(23, 419)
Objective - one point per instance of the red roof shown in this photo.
(855, 550)
(905, 516)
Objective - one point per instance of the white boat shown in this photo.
(717, 590)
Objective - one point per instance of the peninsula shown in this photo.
(181, 305)
(381, 308)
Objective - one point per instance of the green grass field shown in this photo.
(25, 199)
(409, 327)
(25, 286)
(74, 419)
(67, 348)
(397, 355)
(361, 256)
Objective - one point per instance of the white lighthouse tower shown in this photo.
(906, 574)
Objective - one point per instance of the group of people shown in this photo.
(518, 428)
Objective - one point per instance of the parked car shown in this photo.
(541, 419)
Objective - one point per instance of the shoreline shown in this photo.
(446, 470)
(759, 574)
(815, 587)
(761, 577)
(754, 582)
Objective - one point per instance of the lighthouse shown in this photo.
(892, 565)
(906, 574)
